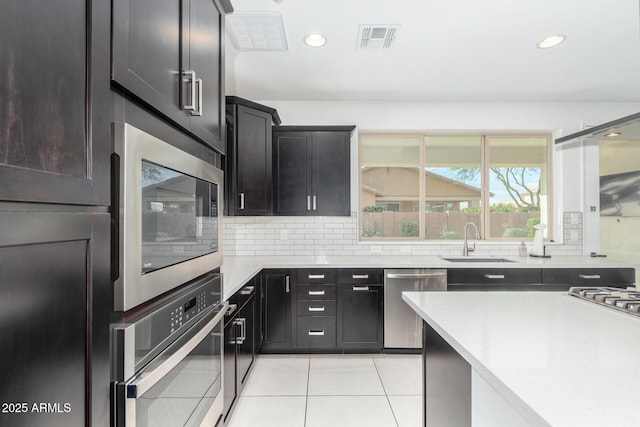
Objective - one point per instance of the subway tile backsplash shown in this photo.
(330, 236)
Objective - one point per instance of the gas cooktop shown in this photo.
(626, 300)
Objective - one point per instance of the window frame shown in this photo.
(485, 188)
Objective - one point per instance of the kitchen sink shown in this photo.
(476, 259)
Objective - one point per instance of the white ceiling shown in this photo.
(447, 50)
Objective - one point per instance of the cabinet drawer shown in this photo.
(316, 275)
(588, 276)
(315, 292)
(316, 308)
(316, 332)
(359, 275)
(513, 276)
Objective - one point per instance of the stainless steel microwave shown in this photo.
(167, 226)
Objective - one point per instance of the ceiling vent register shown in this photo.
(377, 36)
(257, 32)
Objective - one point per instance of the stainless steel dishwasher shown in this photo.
(402, 326)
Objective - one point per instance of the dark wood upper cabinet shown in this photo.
(312, 166)
(170, 55)
(54, 87)
(248, 163)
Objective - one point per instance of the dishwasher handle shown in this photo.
(415, 275)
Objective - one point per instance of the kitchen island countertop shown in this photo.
(556, 359)
(238, 270)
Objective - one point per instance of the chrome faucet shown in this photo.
(466, 249)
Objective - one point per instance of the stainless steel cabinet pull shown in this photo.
(198, 111)
(316, 292)
(316, 308)
(287, 288)
(360, 288)
(316, 276)
(243, 329)
(308, 203)
(247, 290)
(238, 339)
(232, 308)
(589, 276)
(192, 82)
(242, 201)
(414, 275)
(494, 276)
(316, 332)
(314, 203)
(359, 276)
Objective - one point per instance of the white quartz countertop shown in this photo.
(237, 270)
(556, 359)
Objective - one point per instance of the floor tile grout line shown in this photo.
(386, 395)
(306, 399)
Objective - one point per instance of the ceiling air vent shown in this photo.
(377, 36)
(257, 32)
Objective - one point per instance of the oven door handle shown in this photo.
(144, 381)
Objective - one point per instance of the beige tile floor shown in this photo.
(330, 391)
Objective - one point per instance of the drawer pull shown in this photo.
(589, 276)
(316, 292)
(359, 276)
(494, 276)
(316, 276)
(316, 308)
(247, 290)
(360, 288)
(316, 333)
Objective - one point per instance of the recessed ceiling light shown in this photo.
(551, 41)
(315, 40)
(613, 134)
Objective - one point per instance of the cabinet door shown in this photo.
(202, 52)
(277, 310)
(231, 335)
(54, 266)
(360, 317)
(254, 159)
(330, 173)
(292, 174)
(245, 349)
(54, 115)
(146, 53)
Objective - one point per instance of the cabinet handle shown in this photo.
(314, 203)
(318, 333)
(192, 82)
(243, 329)
(241, 201)
(414, 275)
(231, 309)
(238, 339)
(308, 203)
(247, 290)
(316, 276)
(589, 276)
(287, 288)
(360, 288)
(198, 112)
(359, 276)
(316, 308)
(316, 293)
(494, 276)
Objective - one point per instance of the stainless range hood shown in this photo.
(627, 128)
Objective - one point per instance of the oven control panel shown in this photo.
(181, 313)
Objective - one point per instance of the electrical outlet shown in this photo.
(574, 218)
(574, 235)
(284, 235)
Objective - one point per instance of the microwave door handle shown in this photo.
(142, 383)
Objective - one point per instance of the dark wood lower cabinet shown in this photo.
(360, 318)
(54, 324)
(239, 347)
(276, 311)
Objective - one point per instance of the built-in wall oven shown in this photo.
(167, 360)
(166, 220)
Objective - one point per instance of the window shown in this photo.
(417, 187)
